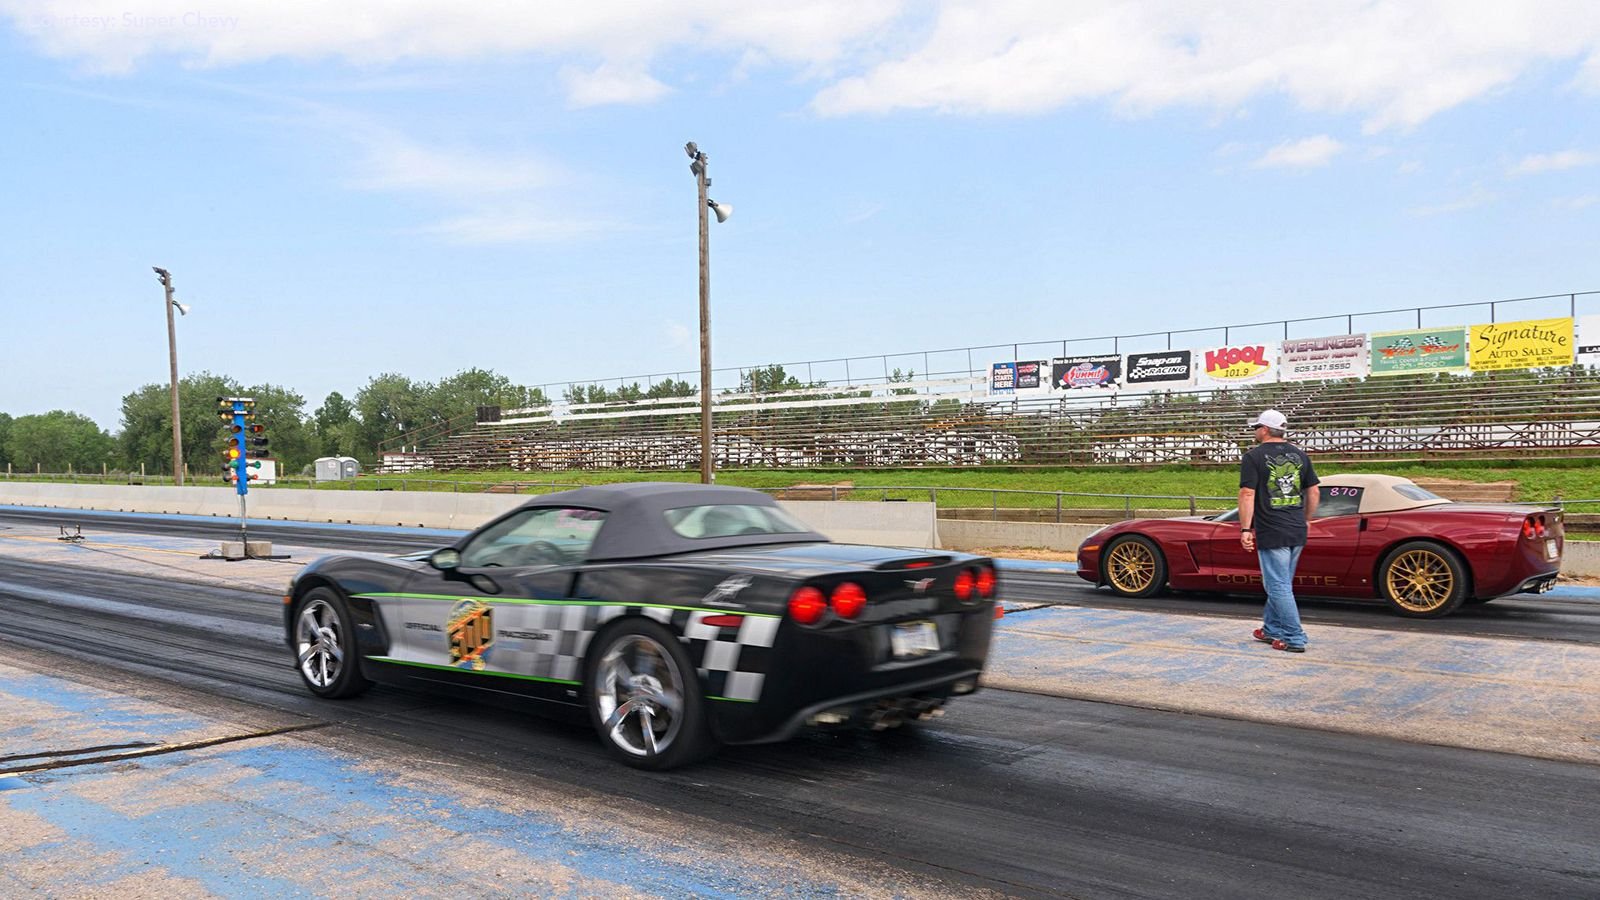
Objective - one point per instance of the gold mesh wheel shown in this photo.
(1134, 567)
(1421, 580)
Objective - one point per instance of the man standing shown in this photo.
(1277, 497)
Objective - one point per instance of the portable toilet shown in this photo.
(349, 467)
(329, 468)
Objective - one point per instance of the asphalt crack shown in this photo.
(145, 750)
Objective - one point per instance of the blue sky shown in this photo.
(421, 188)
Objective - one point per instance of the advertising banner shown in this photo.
(1237, 364)
(1002, 378)
(1589, 341)
(1031, 375)
(1315, 359)
(1419, 350)
(1079, 373)
(1529, 344)
(1166, 369)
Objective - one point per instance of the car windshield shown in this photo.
(728, 519)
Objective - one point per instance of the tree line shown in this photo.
(383, 412)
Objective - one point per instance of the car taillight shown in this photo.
(807, 605)
(964, 584)
(985, 581)
(848, 600)
(1533, 527)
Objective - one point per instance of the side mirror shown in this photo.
(445, 560)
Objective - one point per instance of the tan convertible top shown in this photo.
(1386, 493)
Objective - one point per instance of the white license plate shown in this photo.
(1549, 548)
(914, 639)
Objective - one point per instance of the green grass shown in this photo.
(1537, 481)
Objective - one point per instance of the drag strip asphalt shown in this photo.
(1566, 614)
(1016, 793)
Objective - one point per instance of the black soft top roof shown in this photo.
(636, 522)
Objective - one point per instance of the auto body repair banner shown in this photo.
(1529, 344)
(1079, 373)
(1315, 359)
(1419, 350)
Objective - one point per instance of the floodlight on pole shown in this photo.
(697, 166)
(172, 356)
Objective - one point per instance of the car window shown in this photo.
(535, 537)
(729, 519)
(1338, 500)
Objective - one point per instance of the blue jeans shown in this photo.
(1281, 620)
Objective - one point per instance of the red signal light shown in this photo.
(849, 600)
(964, 584)
(257, 429)
(807, 605)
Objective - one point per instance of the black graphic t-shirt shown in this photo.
(1280, 473)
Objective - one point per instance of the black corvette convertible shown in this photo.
(681, 616)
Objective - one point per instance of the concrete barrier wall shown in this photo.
(897, 524)
(973, 535)
(889, 524)
(1581, 558)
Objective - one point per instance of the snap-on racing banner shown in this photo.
(1167, 369)
(1237, 364)
(1313, 359)
(1078, 373)
(1419, 350)
(1529, 344)
(1002, 378)
(1031, 375)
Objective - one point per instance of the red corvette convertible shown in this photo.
(1375, 536)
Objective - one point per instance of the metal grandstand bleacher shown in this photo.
(955, 423)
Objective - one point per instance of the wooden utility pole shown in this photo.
(172, 354)
(708, 474)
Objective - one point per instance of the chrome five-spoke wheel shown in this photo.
(645, 698)
(324, 646)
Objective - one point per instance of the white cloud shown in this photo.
(1393, 64)
(609, 84)
(1554, 162)
(516, 224)
(1475, 198)
(624, 34)
(678, 335)
(1302, 154)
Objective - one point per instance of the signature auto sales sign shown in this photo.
(1237, 364)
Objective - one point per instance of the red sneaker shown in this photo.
(1280, 645)
(1261, 636)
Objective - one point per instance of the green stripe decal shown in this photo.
(519, 601)
(729, 699)
(423, 665)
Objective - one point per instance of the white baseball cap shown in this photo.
(1272, 419)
